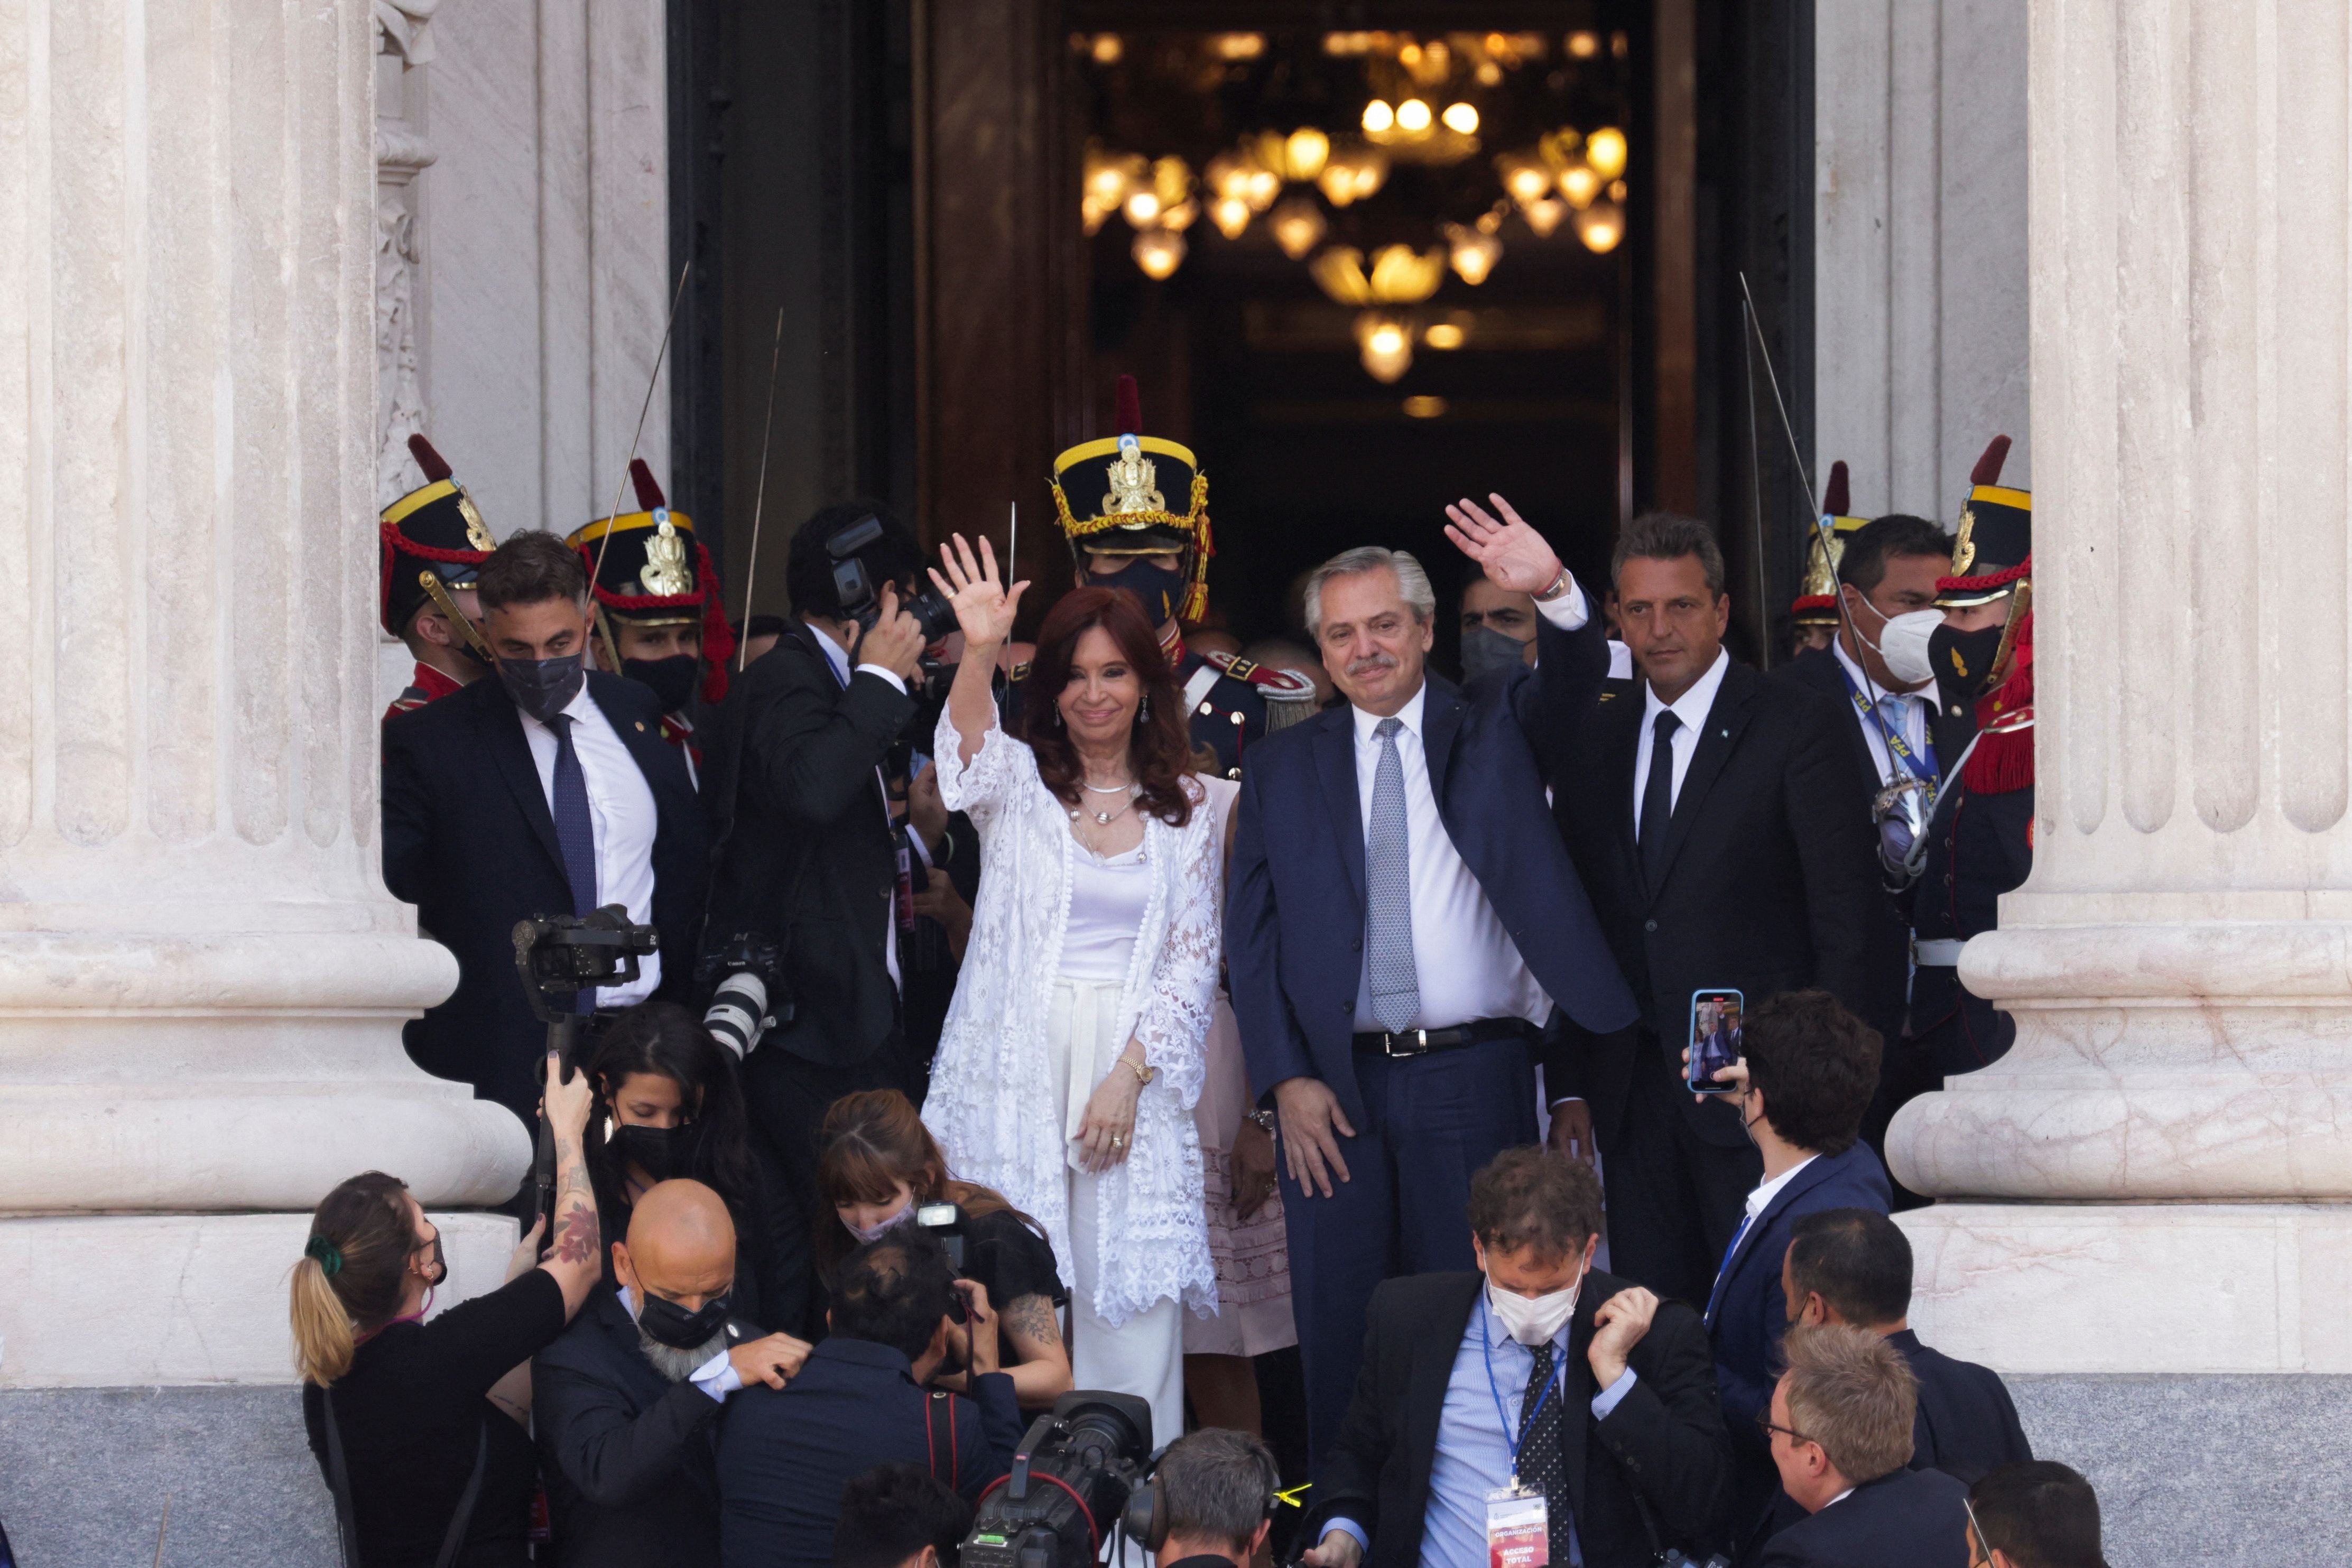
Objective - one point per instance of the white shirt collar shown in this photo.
(1761, 1198)
(1408, 715)
(1861, 677)
(1692, 707)
(833, 651)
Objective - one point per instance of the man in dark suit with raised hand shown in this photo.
(1720, 823)
(546, 791)
(1854, 1266)
(1839, 1426)
(1401, 921)
(1538, 1371)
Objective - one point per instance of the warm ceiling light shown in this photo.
(1409, 55)
(1092, 213)
(1142, 208)
(1298, 227)
(1579, 184)
(1227, 176)
(1172, 181)
(1461, 117)
(1403, 275)
(1238, 46)
(1583, 46)
(1411, 115)
(1385, 346)
(1601, 227)
(1524, 179)
(1305, 154)
(1424, 407)
(1159, 253)
(1379, 116)
(1261, 188)
(1489, 74)
(1231, 215)
(1473, 253)
(1616, 190)
(1605, 150)
(1107, 48)
(1544, 216)
(1110, 175)
(1181, 217)
(1443, 335)
(1353, 173)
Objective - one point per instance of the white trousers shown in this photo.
(1145, 1356)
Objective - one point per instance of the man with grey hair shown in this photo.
(1402, 921)
(1725, 832)
(1217, 1488)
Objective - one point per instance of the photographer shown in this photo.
(1218, 1488)
(669, 1104)
(405, 1417)
(863, 1398)
(880, 1164)
(810, 852)
(896, 1516)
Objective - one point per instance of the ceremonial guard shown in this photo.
(432, 542)
(1114, 500)
(1981, 841)
(659, 618)
(1813, 614)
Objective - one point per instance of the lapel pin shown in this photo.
(641, 726)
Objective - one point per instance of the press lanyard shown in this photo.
(1896, 746)
(1559, 1378)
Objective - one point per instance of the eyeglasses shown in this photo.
(1764, 1421)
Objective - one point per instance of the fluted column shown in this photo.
(202, 978)
(2179, 963)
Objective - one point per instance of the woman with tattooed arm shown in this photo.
(419, 1427)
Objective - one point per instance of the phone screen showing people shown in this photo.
(1714, 1038)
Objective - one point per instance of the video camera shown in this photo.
(1071, 1480)
(751, 996)
(861, 595)
(566, 957)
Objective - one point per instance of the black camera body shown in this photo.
(1070, 1482)
(557, 956)
(749, 994)
(861, 596)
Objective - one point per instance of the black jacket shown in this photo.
(468, 839)
(1967, 1423)
(628, 1457)
(1818, 668)
(809, 859)
(1664, 1442)
(1771, 882)
(1914, 1519)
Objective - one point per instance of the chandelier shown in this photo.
(1388, 101)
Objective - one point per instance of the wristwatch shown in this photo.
(1265, 1120)
(1143, 1074)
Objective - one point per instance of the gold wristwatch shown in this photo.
(1143, 1074)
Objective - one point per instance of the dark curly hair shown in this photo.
(1529, 1197)
(1160, 751)
(1817, 1065)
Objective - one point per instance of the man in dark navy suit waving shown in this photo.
(1402, 921)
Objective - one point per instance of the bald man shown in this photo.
(628, 1398)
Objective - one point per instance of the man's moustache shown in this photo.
(1372, 661)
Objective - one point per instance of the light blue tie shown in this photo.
(1395, 984)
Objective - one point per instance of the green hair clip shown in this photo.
(331, 1260)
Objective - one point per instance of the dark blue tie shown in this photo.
(1657, 798)
(1715, 1297)
(575, 830)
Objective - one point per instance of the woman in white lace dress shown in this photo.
(1066, 1075)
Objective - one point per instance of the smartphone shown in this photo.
(1714, 1038)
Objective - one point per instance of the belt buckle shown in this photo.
(1420, 1038)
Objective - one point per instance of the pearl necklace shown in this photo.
(1105, 819)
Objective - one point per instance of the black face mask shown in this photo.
(438, 1270)
(664, 1153)
(1963, 661)
(666, 1322)
(1160, 589)
(542, 687)
(1485, 650)
(671, 679)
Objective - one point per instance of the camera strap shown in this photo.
(940, 1437)
(338, 1481)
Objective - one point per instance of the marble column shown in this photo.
(2157, 1178)
(202, 978)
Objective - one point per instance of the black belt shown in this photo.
(1423, 1041)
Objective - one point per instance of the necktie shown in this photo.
(1715, 1297)
(1539, 1458)
(1395, 983)
(1658, 798)
(575, 830)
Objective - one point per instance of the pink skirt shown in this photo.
(1253, 1255)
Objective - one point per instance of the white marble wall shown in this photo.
(1919, 262)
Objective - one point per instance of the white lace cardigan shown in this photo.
(989, 1105)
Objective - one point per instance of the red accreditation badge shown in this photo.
(1518, 1529)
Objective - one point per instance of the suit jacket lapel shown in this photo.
(1441, 721)
(1335, 760)
(1424, 1392)
(510, 753)
(1578, 1387)
(1717, 739)
(1621, 745)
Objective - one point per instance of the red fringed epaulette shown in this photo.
(2002, 762)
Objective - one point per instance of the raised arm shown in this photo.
(1572, 654)
(575, 1253)
(985, 609)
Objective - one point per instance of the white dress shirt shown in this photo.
(1907, 714)
(621, 811)
(1466, 963)
(1757, 1202)
(716, 1376)
(838, 657)
(1691, 708)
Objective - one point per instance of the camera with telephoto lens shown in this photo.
(748, 996)
(562, 959)
(1071, 1480)
(861, 596)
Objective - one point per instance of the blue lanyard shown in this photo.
(1897, 747)
(1558, 1379)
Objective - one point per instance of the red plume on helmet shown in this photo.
(437, 469)
(1988, 468)
(1834, 494)
(649, 494)
(1131, 408)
